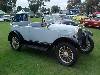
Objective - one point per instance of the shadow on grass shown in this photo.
(83, 60)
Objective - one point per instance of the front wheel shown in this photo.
(15, 43)
(89, 47)
(66, 54)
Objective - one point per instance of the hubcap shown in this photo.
(65, 54)
(15, 43)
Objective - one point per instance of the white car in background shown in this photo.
(1, 18)
(7, 18)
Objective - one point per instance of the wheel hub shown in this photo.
(65, 54)
(15, 42)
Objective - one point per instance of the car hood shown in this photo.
(63, 27)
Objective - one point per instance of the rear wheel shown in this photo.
(15, 43)
(66, 54)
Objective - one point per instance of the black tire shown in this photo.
(15, 43)
(68, 56)
(89, 47)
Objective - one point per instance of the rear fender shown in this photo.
(12, 33)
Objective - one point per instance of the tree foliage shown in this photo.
(19, 8)
(72, 3)
(6, 5)
(92, 6)
(36, 4)
(55, 9)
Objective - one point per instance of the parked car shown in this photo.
(79, 17)
(7, 18)
(65, 17)
(64, 40)
(93, 22)
(1, 18)
(72, 16)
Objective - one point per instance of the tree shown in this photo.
(92, 6)
(7, 5)
(36, 4)
(19, 8)
(45, 10)
(34, 7)
(55, 9)
(73, 4)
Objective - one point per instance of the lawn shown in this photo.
(33, 62)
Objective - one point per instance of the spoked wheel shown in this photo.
(66, 54)
(89, 47)
(15, 43)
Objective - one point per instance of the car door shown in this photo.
(42, 34)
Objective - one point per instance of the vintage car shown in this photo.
(64, 40)
(93, 22)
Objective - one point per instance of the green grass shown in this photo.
(36, 19)
(33, 62)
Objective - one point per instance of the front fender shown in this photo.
(67, 40)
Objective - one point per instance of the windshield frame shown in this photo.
(56, 18)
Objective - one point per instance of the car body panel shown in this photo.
(44, 34)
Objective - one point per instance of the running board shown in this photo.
(38, 47)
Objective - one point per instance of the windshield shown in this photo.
(55, 18)
(52, 18)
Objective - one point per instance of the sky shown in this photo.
(60, 3)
